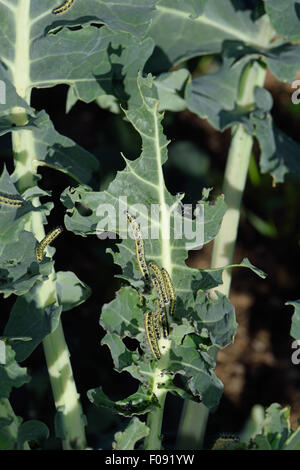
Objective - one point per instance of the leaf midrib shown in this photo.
(207, 21)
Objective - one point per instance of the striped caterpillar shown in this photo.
(158, 284)
(11, 201)
(139, 245)
(63, 8)
(39, 251)
(163, 319)
(152, 328)
(170, 290)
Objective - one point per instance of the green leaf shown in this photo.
(178, 35)
(213, 96)
(11, 374)
(9, 426)
(132, 16)
(61, 153)
(70, 290)
(293, 442)
(52, 149)
(33, 430)
(141, 402)
(202, 382)
(108, 102)
(283, 61)
(29, 317)
(13, 219)
(279, 153)
(275, 428)
(217, 316)
(295, 328)
(19, 270)
(246, 264)
(121, 356)
(135, 431)
(52, 55)
(284, 17)
(123, 314)
(168, 87)
(104, 62)
(180, 331)
(11, 100)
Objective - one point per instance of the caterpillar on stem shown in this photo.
(167, 281)
(159, 283)
(151, 328)
(139, 245)
(39, 251)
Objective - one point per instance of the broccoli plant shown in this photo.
(167, 321)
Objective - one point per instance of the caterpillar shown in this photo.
(160, 307)
(39, 251)
(151, 333)
(11, 201)
(160, 284)
(139, 245)
(156, 325)
(63, 8)
(170, 290)
(162, 287)
(163, 319)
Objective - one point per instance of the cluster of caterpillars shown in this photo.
(155, 322)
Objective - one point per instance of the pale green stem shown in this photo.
(194, 417)
(155, 417)
(56, 351)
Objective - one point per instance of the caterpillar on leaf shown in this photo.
(11, 201)
(63, 8)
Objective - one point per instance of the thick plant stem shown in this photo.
(56, 351)
(154, 422)
(64, 389)
(154, 419)
(235, 178)
(224, 244)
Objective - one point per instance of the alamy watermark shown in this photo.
(296, 94)
(177, 222)
(296, 354)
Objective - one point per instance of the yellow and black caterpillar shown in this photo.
(12, 201)
(39, 251)
(171, 294)
(63, 8)
(152, 332)
(139, 245)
